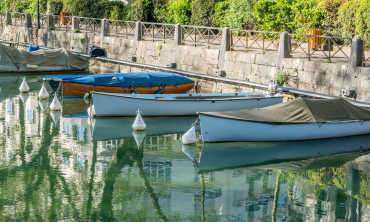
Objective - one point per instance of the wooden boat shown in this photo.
(301, 119)
(280, 154)
(135, 82)
(113, 104)
(116, 128)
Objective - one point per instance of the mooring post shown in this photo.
(8, 18)
(75, 24)
(104, 27)
(50, 22)
(357, 52)
(178, 34)
(226, 39)
(138, 31)
(28, 21)
(284, 45)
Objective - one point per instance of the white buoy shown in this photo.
(139, 137)
(24, 86)
(55, 104)
(139, 123)
(43, 94)
(189, 137)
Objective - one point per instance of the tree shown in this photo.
(179, 11)
(276, 15)
(220, 13)
(202, 12)
(241, 14)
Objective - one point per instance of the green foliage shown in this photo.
(55, 7)
(160, 11)
(330, 7)
(220, 13)
(202, 12)
(308, 15)
(354, 18)
(241, 14)
(275, 15)
(281, 78)
(179, 11)
(117, 11)
(142, 10)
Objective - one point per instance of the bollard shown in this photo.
(226, 39)
(357, 50)
(28, 21)
(8, 18)
(138, 31)
(50, 22)
(178, 34)
(75, 24)
(284, 45)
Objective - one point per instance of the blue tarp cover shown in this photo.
(125, 80)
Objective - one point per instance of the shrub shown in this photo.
(179, 11)
(55, 7)
(220, 13)
(308, 15)
(275, 15)
(354, 18)
(142, 10)
(202, 12)
(241, 14)
(281, 78)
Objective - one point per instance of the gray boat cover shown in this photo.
(15, 60)
(301, 110)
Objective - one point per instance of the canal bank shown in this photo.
(315, 74)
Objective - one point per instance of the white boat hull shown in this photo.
(109, 104)
(217, 129)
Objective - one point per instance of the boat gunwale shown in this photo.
(189, 100)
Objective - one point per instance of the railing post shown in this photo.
(226, 39)
(28, 21)
(284, 45)
(8, 18)
(104, 27)
(357, 52)
(178, 34)
(138, 31)
(50, 22)
(75, 24)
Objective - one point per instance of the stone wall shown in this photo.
(317, 76)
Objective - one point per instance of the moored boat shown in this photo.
(300, 119)
(135, 82)
(113, 104)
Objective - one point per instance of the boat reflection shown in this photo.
(114, 128)
(219, 156)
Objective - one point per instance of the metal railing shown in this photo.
(201, 36)
(158, 31)
(18, 19)
(43, 21)
(62, 23)
(90, 24)
(121, 28)
(255, 40)
(320, 46)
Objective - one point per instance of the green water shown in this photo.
(65, 167)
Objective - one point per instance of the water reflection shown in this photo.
(56, 167)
